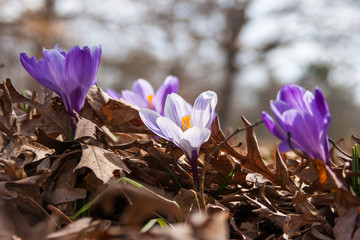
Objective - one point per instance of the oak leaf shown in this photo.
(102, 162)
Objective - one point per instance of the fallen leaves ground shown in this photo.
(122, 182)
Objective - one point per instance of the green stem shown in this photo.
(355, 167)
(71, 130)
(226, 181)
(136, 184)
(174, 177)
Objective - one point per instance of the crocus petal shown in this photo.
(285, 147)
(96, 58)
(38, 70)
(113, 94)
(193, 138)
(76, 75)
(278, 108)
(170, 85)
(324, 138)
(150, 117)
(143, 88)
(134, 99)
(271, 125)
(173, 82)
(170, 130)
(204, 108)
(308, 99)
(79, 74)
(321, 102)
(319, 109)
(160, 97)
(59, 49)
(302, 132)
(293, 95)
(55, 63)
(79, 68)
(176, 108)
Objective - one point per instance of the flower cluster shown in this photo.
(302, 118)
(70, 74)
(188, 128)
(304, 121)
(143, 95)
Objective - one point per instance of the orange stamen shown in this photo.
(185, 122)
(150, 97)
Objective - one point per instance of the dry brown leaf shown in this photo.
(249, 229)
(303, 205)
(252, 160)
(12, 170)
(48, 118)
(356, 139)
(7, 114)
(21, 206)
(25, 148)
(61, 179)
(117, 115)
(213, 227)
(309, 216)
(217, 136)
(346, 224)
(219, 169)
(188, 201)
(27, 187)
(59, 146)
(345, 200)
(282, 174)
(294, 222)
(85, 128)
(276, 217)
(133, 206)
(161, 161)
(101, 161)
(12, 221)
(272, 207)
(64, 195)
(71, 231)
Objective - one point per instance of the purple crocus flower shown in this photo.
(113, 94)
(70, 74)
(188, 128)
(143, 96)
(305, 118)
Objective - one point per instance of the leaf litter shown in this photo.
(116, 180)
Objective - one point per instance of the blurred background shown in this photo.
(243, 50)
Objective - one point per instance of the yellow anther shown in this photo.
(185, 122)
(150, 97)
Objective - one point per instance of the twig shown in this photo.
(43, 210)
(339, 149)
(59, 213)
(298, 152)
(197, 200)
(209, 157)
